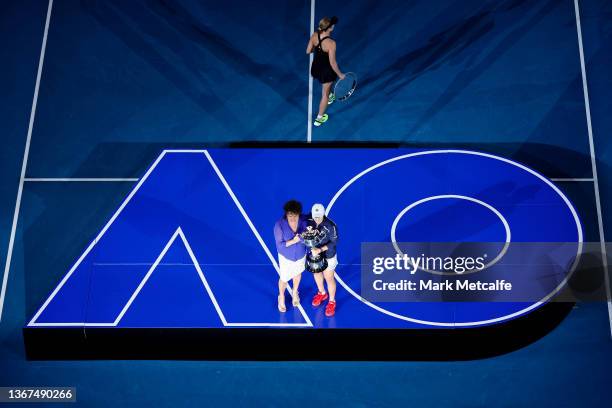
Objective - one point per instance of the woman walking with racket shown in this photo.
(324, 66)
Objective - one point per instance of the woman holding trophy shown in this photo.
(291, 251)
(321, 236)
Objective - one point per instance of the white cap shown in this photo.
(318, 210)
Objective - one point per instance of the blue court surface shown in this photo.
(129, 200)
(191, 245)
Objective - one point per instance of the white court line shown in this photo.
(572, 179)
(77, 179)
(587, 106)
(24, 164)
(309, 132)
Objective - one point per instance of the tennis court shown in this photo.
(117, 84)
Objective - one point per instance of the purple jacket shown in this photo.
(283, 233)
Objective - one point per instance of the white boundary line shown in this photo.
(69, 180)
(309, 131)
(587, 106)
(178, 232)
(24, 164)
(468, 152)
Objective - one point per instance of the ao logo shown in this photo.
(186, 193)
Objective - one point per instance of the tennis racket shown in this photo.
(344, 88)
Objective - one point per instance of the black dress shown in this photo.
(321, 68)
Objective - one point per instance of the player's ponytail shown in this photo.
(327, 22)
(324, 24)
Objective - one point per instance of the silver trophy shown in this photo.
(312, 239)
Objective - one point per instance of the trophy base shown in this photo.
(316, 265)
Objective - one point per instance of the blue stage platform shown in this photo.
(192, 245)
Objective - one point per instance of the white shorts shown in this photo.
(332, 263)
(290, 269)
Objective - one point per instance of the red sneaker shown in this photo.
(330, 309)
(319, 298)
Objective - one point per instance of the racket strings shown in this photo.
(344, 88)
